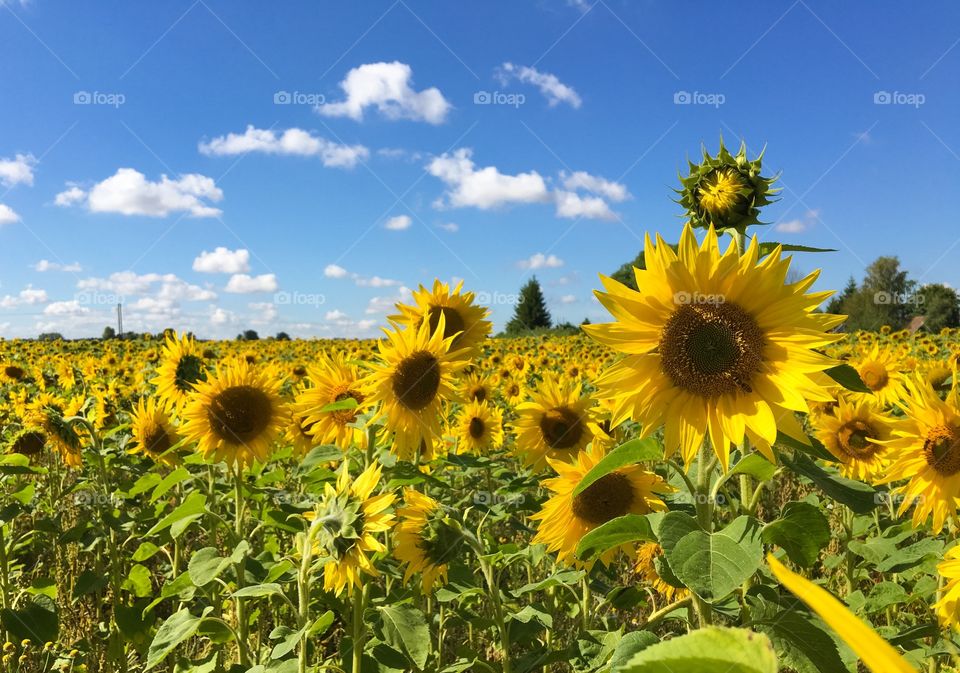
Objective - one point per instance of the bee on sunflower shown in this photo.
(153, 431)
(716, 344)
(350, 517)
(235, 415)
(925, 451)
(411, 384)
(425, 539)
(463, 320)
(479, 427)
(854, 432)
(564, 519)
(557, 423)
(333, 379)
(181, 369)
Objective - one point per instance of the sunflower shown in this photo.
(12, 372)
(49, 413)
(462, 318)
(948, 607)
(925, 451)
(181, 369)
(479, 427)
(716, 343)
(29, 442)
(646, 569)
(476, 387)
(879, 370)
(334, 380)
(854, 433)
(557, 423)
(425, 541)
(153, 431)
(349, 519)
(564, 519)
(411, 383)
(236, 415)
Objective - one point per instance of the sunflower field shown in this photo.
(717, 479)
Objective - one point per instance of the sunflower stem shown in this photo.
(585, 603)
(359, 628)
(704, 507)
(240, 567)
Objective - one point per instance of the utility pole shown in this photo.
(119, 321)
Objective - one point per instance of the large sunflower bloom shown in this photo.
(463, 319)
(181, 369)
(854, 432)
(236, 415)
(564, 519)
(333, 380)
(557, 423)
(925, 451)
(411, 384)
(425, 542)
(350, 517)
(715, 343)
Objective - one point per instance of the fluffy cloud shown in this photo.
(335, 271)
(572, 205)
(128, 192)
(487, 187)
(384, 305)
(577, 180)
(221, 316)
(241, 283)
(222, 260)
(45, 265)
(17, 171)
(540, 261)
(338, 272)
(122, 284)
(451, 227)
(66, 308)
(568, 299)
(387, 86)
(550, 86)
(26, 297)
(265, 312)
(399, 223)
(7, 216)
(800, 224)
(293, 142)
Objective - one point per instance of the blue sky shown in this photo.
(299, 166)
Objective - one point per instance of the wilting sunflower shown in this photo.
(29, 442)
(479, 427)
(925, 451)
(181, 369)
(350, 518)
(412, 382)
(236, 415)
(646, 569)
(948, 607)
(716, 343)
(557, 423)
(425, 541)
(333, 380)
(880, 371)
(565, 518)
(153, 431)
(463, 319)
(854, 432)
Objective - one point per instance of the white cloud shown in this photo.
(614, 191)
(800, 224)
(384, 305)
(487, 187)
(266, 312)
(223, 260)
(241, 283)
(123, 284)
(572, 205)
(387, 87)
(17, 171)
(63, 308)
(335, 315)
(220, 316)
(128, 192)
(568, 299)
(335, 271)
(292, 142)
(26, 297)
(550, 86)
(7, 216)
(399, 223)
(451, 227)
(46, 265)
(541, 261)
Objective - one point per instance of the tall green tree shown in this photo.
(531, 312)
(939, 305)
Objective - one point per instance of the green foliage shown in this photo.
(531, 311)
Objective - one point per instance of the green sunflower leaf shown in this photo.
(633, 452)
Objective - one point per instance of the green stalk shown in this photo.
(705, 518)
(240, 567)
(359, 628)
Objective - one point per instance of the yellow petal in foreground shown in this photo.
(876, 653)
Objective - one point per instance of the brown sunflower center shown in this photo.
(607, 498)
(14, 372)
(562, 428)
(189, 371)
(942, 450)
(477, 427)
(30, 443)
(157, 442)
(711, 349)
(874, 376)
(417, 380)
(452, 321)
(478, 393)
(240, 414)
(345, 416)
(854, 439)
